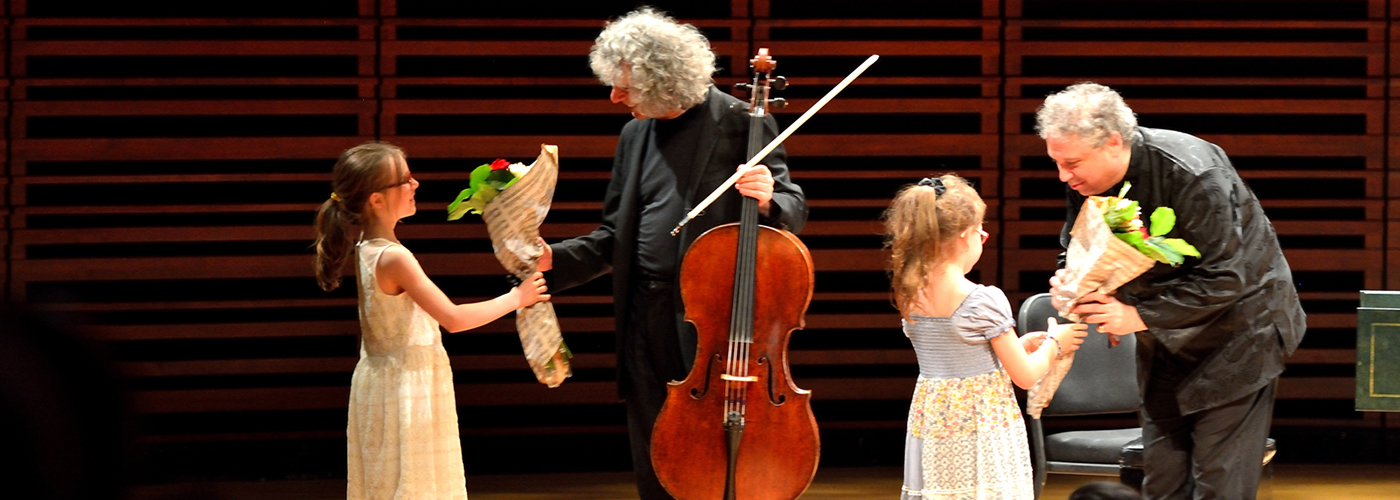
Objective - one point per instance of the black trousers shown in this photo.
(652, 358)
(1211, 454)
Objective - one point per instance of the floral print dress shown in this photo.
(966, 438)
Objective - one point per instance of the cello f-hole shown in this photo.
(773, 396)
(699, 392)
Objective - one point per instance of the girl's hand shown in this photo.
(1031, 341)
(532, 291)
(1069, 336)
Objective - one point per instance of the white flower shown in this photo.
(519, 169)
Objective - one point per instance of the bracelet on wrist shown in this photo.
(1058, 352)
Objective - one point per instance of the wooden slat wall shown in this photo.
(164, 166)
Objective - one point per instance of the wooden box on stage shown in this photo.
(1378, 351)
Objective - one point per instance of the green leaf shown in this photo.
(1123, 193)
(477, 203)
(1143, 246)
(1163, 220)
(1182, 246)
(1132, 238)
(479, 175)
(1165, 253)
(455, 210)
(1118, 218)
(499, 179)
(1155, 253)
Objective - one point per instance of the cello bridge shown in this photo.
(731, 378)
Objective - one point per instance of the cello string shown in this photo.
(744, 310)
(744, 399)
(730, 387)
(742, 324)
(741, 313)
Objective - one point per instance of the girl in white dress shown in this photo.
(402, 439)
(966, 439)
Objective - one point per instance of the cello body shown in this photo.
(779, 449)
(737, 428)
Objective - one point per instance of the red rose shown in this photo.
(1143, 230)
(499, 164)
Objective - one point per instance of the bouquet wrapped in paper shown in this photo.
(513, 199)
(1109, 246)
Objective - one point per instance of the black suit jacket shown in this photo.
(722, 147)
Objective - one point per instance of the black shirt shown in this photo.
(670, 156)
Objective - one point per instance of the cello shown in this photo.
(737, 427)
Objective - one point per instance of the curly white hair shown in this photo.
(670, 63)
(1089, 111)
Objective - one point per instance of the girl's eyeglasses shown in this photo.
(407, 179)
(984, 234)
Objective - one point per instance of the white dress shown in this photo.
(402, 441)
(966, 439)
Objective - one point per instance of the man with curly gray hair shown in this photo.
(1212, 333)
(686, 140)
(656, 67)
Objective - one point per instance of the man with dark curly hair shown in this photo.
(686, 140)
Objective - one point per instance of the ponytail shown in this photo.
(333, 244)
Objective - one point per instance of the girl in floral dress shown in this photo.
(966, 439)
(402, 440)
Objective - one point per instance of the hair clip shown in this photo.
(936, 183)
(335, 197)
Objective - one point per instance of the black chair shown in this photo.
(1102, 380)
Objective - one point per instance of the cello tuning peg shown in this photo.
(779, 83)
(777, 103)
(743, 87)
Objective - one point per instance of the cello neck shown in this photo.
(746, 259)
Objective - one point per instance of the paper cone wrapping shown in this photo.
(1096, 261)
(1038, 397)
(513, 219)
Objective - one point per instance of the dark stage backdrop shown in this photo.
(164, 161)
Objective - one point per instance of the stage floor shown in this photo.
(1289, 482)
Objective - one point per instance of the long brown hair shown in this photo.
(358, 173)
(919, 225)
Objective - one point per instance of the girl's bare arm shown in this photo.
(399, 271)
